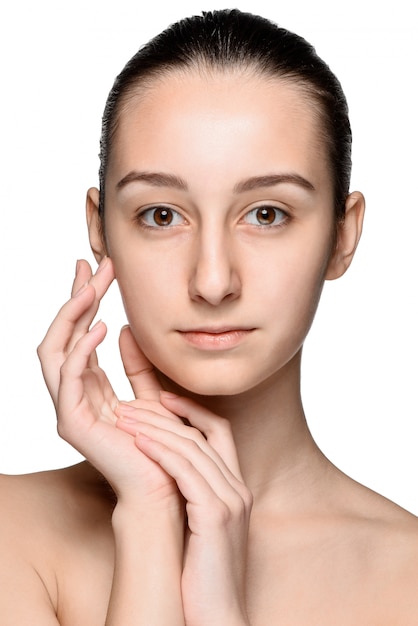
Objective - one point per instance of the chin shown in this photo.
(208, 385)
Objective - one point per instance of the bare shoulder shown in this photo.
(376, 512)
(54, 531)
(387, 540)
(56, 498)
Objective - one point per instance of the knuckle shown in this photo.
(61, 429)
(194, 437)
(65, 370)
(221, 513)
(248, 499)
(40, 350)
(228, 513)
(219, 425)
(185, 466)
(241, 505)
(191, 445)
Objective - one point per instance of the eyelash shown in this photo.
(267, 207)
(175, 215)
(151, 211)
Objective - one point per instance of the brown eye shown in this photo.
(160, 217)
(265, 216)
(163, 216)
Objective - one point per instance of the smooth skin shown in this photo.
(222, 509)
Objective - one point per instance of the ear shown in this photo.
(348, 236)
(94, 224)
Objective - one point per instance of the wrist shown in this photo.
(164, 514)
(149, 547)
(157, 533)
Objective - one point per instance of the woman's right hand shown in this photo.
(84, 399)
(148, 521)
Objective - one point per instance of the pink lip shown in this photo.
(216, 338)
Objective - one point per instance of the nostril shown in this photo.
(203, 288)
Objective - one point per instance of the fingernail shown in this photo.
(77, 265)
(141, 437)
(95, 327)
(125, 412)
(128, 408)
(127, 420)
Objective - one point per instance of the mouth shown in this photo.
(209, 338)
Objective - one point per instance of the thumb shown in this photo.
(139, 370)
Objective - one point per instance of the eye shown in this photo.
(160, 216)
(265, 215)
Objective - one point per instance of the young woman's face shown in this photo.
(219, 222)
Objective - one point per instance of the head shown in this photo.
(222, 104)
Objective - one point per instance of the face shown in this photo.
(219, 222)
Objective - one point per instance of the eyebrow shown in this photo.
(156, 179)
(255, 182)
(161, 179)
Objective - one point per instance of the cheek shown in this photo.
(143, 285)
(150, 288)
(296, 283)
(144, 305)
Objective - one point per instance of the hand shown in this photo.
(84, 400)
(203, 461)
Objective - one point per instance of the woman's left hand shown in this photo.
(202, 459)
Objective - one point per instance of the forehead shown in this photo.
(209, 122)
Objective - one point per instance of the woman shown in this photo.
(223, 207)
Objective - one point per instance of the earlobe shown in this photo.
(348, 236)
(94, 224)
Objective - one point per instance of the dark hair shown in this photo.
(229, 39)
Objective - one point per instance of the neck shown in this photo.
(274, 444)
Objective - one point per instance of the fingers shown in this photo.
(72, 385)
(83, 274)
(101, 281)
(218, 505)
(133, 420)
(217, 430)
(161, 428)
(53, 350)
(140, 372)
(199, 478)
(77, 362)
(73, 321)
(75, 317)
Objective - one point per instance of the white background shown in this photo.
(58, 61)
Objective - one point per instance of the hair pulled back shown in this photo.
(233, 40)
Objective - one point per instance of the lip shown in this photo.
(209, 338)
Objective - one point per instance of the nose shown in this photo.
(214, 276)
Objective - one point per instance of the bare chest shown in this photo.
(326, 581)
(291, 581)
